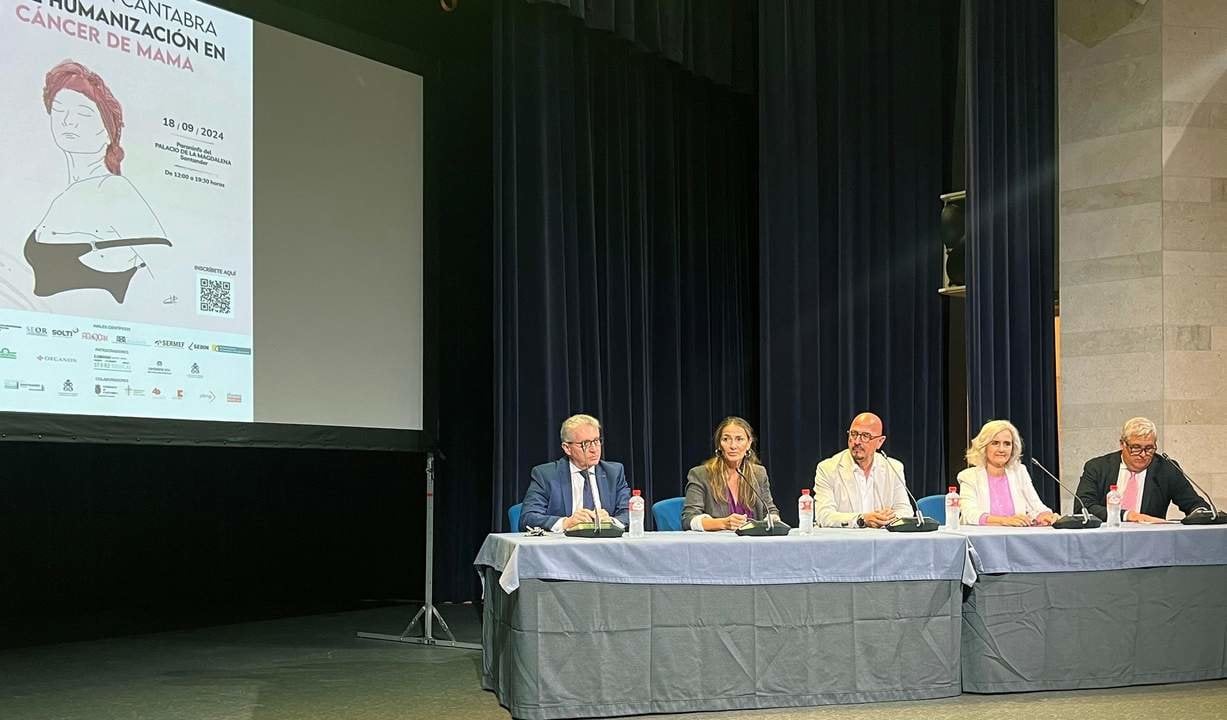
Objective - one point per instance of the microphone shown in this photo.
(1085, 521)
(766, 527)
(741, 474)
(1199, 516)
(920, 523)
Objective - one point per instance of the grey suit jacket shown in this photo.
(699, 500)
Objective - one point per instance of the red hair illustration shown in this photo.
(71, 75)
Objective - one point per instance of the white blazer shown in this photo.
(974, 496)
(836, 493)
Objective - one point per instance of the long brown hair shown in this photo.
(715, 466)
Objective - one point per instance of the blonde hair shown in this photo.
(975, 453)
(569, 425)
(715, 470)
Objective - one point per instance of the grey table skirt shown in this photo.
(557, 649)
(1070, 630)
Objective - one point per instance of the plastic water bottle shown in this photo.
(805, 511)
(1113, 507)
(953, 508)
(636, 511)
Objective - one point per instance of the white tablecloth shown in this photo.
(1133, 545)
(691, 558)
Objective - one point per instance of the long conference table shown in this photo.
(1064, 610)
(675, 622)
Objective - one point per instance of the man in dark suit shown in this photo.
(579, 487)
(1146, 483)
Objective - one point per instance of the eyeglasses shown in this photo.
(586, 445)
(855, 436)
(1141, 449)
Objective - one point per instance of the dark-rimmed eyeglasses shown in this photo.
(1141, 450)
(585, 445)
(864, 437)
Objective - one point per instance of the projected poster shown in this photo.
(125, 240)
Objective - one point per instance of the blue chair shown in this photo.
(667, 514)
(513, 517)
(933, 506)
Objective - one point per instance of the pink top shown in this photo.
(1001, 501)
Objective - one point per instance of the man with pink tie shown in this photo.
(1147, 482)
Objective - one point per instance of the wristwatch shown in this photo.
(860, 521)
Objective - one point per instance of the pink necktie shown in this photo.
(1130, 501)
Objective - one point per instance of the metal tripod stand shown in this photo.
(429, 613)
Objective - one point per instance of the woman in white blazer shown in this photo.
(997, 489)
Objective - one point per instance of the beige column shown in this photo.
(1142, 131)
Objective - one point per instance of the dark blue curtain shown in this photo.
(1011, 96)
(624, 258)
(853, 147)
(714, 39)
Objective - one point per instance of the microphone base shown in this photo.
(1077, 522)
(759, 528)
(1206, 518)
(911, 525)
(592, 530)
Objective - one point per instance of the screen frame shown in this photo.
(57, 427)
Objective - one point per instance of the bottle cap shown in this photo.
(635, 493)
(1112, 488)
(805, 491)
(953, 489)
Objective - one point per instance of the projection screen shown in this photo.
(214, 231)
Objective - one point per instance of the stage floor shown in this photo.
(314, 667)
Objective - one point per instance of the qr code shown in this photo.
(214, 297)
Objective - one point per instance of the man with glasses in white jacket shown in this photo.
(854, 487)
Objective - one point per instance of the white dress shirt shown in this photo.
(866, 488)
(577, 493)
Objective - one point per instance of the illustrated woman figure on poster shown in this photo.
(99, 233)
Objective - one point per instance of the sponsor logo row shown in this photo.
(69, 388)
(95, 336)
(107, 363)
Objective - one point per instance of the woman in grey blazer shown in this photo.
(731, 487)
